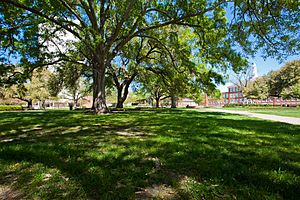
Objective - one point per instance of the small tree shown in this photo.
(242, 78)
(34, 89)
(259, 88)
(152, 84)
(70, 80)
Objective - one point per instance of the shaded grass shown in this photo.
(281, 111)
(199, 155)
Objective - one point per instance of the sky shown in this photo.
(265, 66)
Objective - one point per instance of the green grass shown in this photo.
(180, 154)
(281, 111)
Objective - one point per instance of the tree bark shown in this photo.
(76, 103)
(173, 102)
(94, 91)
(120, 99)
(99, 102)
(29, 104)
(44, 104)
(157, 102)
(120, 104)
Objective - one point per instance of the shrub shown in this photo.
(232, 105)
(10, 108)
(255, 106)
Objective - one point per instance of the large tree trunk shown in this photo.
(76, 102)
(120, 104)
(94, 91)
(120, 99)
(44, 104)
(157, 102)
(29, 104)
(173, 102)
(99, 102)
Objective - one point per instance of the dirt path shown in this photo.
(289, 120)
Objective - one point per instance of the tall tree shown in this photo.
(102, 28)
(285, 80)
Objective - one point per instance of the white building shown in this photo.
(254, 73)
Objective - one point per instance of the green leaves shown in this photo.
(259, 88)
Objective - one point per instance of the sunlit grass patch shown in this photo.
(281, 111)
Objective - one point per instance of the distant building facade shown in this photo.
(186, 102)
(235, 96)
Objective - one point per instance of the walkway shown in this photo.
(289, 120)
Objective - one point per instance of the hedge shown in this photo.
(9, 108)
(253, 106)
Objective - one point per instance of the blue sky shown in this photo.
(264, 66)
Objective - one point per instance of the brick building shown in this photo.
(235, 96)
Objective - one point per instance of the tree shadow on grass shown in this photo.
(218, 155)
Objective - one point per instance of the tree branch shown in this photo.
(51, 19)
(132, 34)
(120, 23)
(93, 13)
(76, 14)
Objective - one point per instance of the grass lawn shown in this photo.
(281, 111)
(162, 154)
